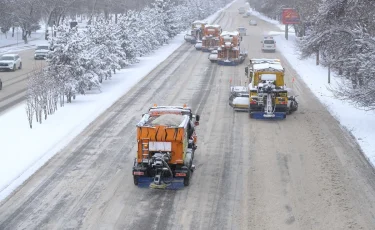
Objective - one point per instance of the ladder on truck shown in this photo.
(145, 143)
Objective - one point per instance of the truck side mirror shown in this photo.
(197, 117)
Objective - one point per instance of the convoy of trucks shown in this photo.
(166, 135)
(196, 32)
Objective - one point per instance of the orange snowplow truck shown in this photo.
(166, 145)
(229, 51)
(210, 40)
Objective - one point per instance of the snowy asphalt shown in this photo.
(304, 172)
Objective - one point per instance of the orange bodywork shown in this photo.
(211, 35)
(229, 47)
(176, 136)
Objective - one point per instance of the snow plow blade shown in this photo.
(148, 182)
(264, 116)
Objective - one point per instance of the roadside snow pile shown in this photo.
(25, 150)
(267, 19)
(7, 40)
(360, 123)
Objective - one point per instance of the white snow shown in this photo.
(241, 101)
(25, 150)
(8, 40)
(267, 19)
(360, 123)
(232, 33)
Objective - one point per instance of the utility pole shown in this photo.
(286, 31)
(329, 73)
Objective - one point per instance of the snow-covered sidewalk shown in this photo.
(25, 150)
(360, 123)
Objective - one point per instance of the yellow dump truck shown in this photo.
(166, 144)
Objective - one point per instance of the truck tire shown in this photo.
(135, 179)
(187, 178)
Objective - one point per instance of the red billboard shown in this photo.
(290, 16)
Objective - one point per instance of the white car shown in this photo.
(268, 44)
(41, 52)
(10, 62)
(213, 56)
(253, 23)
(242, 31)
(246, 15)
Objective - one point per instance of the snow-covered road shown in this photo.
(304, 172)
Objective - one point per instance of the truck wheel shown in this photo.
(14, 67)
(135, 178)
(187, 178)
(20, 67)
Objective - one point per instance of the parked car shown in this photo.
(268, 44)
(41, 52)
(253, 23)
(10, 62)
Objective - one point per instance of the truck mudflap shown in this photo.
(148, 182)
(263, 115)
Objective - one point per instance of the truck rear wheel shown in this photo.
(135, 178)
(187, 178)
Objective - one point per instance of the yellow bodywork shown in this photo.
(257, 68)
(279, 77)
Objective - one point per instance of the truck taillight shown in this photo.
(282, 101)
(180, 174)
(138, 173)
(253, 102)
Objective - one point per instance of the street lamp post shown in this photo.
(329, 73)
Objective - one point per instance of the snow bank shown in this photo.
(24, 150)
(267, 19)
(359, 123)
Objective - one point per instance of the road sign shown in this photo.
(290, 16)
